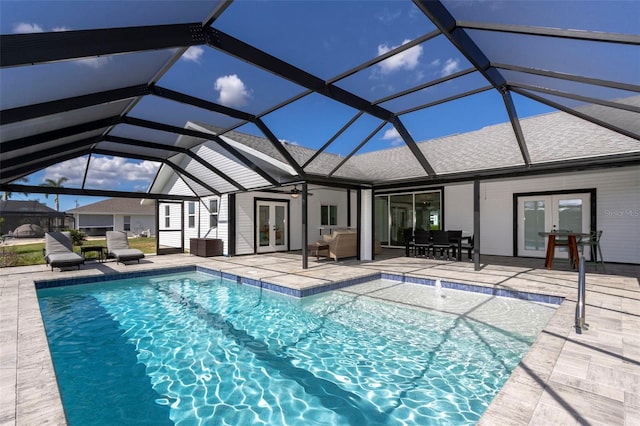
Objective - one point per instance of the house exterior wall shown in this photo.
(617, 209)
(245, 217)
(98, 223)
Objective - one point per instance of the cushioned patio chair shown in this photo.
(118, 248)
(58, 251)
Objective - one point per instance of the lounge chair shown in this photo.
(118, 248)
(58, 250)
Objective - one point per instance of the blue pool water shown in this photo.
(192, 349)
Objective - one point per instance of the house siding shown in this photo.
(617, 209)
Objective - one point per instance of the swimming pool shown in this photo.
(192, 348)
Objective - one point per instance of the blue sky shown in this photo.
(323, 38)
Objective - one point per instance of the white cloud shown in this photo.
(104, 172)
(287, 142)
(193, 54)
(393, 136)
(407, 60)
(232, 90)
(60, 29)
(72, 169)
(450, 66)
(25, 28)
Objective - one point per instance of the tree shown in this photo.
(55, 184)
(8, 195)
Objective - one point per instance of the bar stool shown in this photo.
(594, 243)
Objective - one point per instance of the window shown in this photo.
(167, 217)
(127, 223)
(192, 214)
(213, 213)
(328, 215)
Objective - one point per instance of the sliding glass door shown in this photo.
(399, 212)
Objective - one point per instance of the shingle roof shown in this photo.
(549, 137)
(26, 207)
(116, 205)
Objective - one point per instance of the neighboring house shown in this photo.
(116, 214)
(16, 213)
(512, 208)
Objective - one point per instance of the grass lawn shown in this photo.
(31, 254)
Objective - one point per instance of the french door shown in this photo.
(271, 226)
(543, 213)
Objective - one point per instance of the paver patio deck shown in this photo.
(565, 378)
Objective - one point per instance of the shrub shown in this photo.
(77, 237)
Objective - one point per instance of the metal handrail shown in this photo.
(580, 306)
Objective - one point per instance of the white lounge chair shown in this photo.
(118, 248)
(58, 250)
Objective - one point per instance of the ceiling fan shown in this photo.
(295, 192)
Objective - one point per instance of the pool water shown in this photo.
(192, 349)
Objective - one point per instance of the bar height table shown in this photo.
(571, 241)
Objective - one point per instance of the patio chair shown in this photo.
(58, 250)
(441, 242)
(468, 247)
(422, 242)
(118, 248)
(594, 243)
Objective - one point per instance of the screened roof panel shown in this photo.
(348, 140)
(194, 186)
(612, 16)
(607, 61)
(300, 32)
(568, 86)
(65, 79)
(135, 173)
(424, 63)
(572, 138)
(36, 163)
(400, 164)
(144, 134)
(52, 122)
(306, 109)
(458, 116)
(168, 182)
(160, 110)
(493, 146)
(203, 173)
(56, 16)
(72, 170)
(132, 150)
(212, 153)
(434, 94)
(249, 135)
(626, 120)
(58, 146)
(225, 80)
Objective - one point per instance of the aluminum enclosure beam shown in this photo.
(35, 48)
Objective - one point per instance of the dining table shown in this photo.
(572, 243)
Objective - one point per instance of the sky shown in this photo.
(323, 38)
